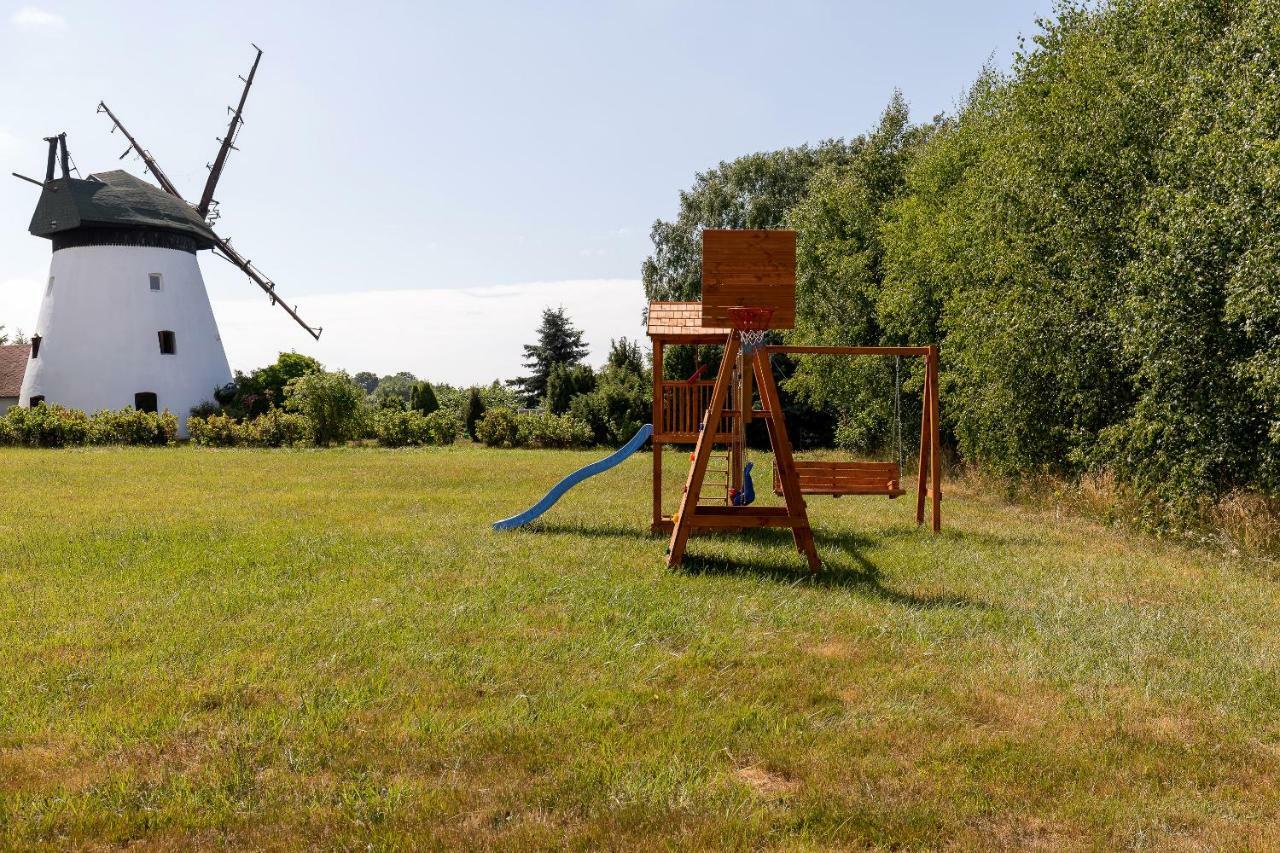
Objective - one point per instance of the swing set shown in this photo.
(748, 288)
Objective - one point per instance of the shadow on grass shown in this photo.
(862, 577)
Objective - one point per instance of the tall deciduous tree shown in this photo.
(559, 343)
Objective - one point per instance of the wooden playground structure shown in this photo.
(748, 288)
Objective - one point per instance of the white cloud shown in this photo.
(34, 18)
(19, 304)
(8, 142)
(455, 335)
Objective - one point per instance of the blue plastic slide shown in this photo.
(574, 479)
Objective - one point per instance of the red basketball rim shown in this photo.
(748, 318)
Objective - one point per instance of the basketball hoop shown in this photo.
(752, 323)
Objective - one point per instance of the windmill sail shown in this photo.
(223, 245)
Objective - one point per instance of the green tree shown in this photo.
(473, 411)
(398, 384)
(566, 382)
(840, 264)
(366, 380)
(559, 343)
(754, 191)
(332, 402)
(252, 394)
(422, 398)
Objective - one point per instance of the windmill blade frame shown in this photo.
(224, 246)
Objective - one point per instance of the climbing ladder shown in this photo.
(693, 514)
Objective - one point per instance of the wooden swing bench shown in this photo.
(834, 478)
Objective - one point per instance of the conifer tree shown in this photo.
(558, 343)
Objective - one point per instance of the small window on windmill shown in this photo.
(35, 346)
(156, 281)
(168, 343)
(49, 288)
(146, 401)
(36, 400)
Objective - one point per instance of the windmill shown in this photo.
(125, 319)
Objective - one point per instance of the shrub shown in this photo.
(217, 431)
(331, 402)
(618, 407)
(545, 430)
(131, 426)
(277, 428)
(205, 409)
(499, 428)
(51, 425)
(408, 429)
(442, 427)
(48, 425)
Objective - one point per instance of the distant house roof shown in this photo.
(115, 200)
(682, 321)
(13, 364)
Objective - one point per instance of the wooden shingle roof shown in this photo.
(13, 364)
(681, 321)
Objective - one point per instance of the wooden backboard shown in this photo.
(749, 268)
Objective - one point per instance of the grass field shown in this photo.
(331, 648)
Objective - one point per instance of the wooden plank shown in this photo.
(800, 530)
(799, 349)
(701, 456)
(748, 268)
(701, 520)
(659, 421)
(935, 446)
(922, 483)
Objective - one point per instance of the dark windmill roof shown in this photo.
(115, 200)
(13, 364)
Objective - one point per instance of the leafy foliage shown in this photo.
(565, 382)
(412, 428)
(503, 427)
(47, 425)
(252, 394)
(331, 402)
(622, 399)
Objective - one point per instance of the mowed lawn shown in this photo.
(283, 649)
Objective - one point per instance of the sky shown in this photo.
(422, 179)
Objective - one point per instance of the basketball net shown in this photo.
(752, 324)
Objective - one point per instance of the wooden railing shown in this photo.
(683, 407)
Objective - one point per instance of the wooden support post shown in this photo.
(935, 445)
(800, 530)
(926, 445)
(659, 425)
(702, 454)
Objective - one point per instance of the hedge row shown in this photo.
(48, 425)
(278, 428)
(503, 427)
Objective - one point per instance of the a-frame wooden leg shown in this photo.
(926, 444)
(800, 530)
(702, 454)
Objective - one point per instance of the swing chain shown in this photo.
(897, 410)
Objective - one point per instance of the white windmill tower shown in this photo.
(125, 319)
